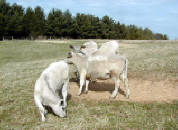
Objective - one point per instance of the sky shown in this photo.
(161, 16)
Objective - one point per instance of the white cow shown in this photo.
(51, 89)
(89, 48)
(101, 67)
(107, 49)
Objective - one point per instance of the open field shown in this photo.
(153, 80)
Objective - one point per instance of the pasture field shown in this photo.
(153, 80)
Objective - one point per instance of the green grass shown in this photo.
(155, 61)
(21, 63)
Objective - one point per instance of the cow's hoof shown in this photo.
(45, 112)
(113, 96)
(79, 94)
(86, 92)
(43, 119)
(127, 96)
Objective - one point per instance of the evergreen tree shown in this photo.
(159, 36)
(165, 37)
(29, 21)
(39, 20)
(148, 34)
(5, 15)
(107, 26)
(15, 24)
(123, 32)
(83, 25)
(1, 26)
(54, 23)
(66, 27)
(95, 30)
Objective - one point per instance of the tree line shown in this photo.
(32, 23)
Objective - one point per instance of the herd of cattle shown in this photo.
(92, 63)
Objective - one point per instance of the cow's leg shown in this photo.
(126, 87)
(64, 92)
(41, 108)
(77, 75)
(87, 83)
(82, 81)
(114, 93)
(125, 80)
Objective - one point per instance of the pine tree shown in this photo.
(39, 18)
(29, 21)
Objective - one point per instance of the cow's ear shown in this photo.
(83, 46)
(69, 55)
(70, 46)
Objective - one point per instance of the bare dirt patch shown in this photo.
(141, 91)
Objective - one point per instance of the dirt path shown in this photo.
(141, 91)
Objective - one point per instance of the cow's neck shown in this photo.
(80, 61)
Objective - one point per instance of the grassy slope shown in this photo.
(21, 63)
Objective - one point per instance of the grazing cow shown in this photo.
(51, 89)
(101, 67)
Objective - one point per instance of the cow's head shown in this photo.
(60, 109)
(77, 49)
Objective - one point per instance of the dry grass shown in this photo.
(21, 63)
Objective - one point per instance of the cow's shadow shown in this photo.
(104, 86)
